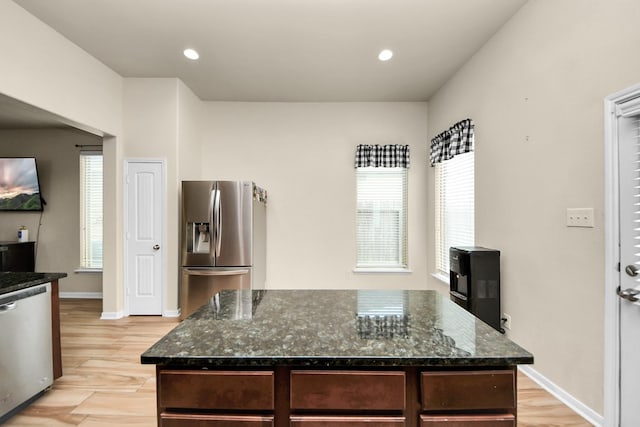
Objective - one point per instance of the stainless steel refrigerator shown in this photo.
(223, 234)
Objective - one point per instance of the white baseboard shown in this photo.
(81, 295)
(111, 315)
(171, 313)
(580, 408)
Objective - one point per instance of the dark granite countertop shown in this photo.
(333, 329)
(15, 281)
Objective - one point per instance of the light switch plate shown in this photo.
(579, 217)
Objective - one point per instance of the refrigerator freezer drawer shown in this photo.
(199, 285)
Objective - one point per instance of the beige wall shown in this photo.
(303, 154)
(189, 134)
(58, 169)
(151, 132)
(535, 92)
(161, 121)
(43, 69)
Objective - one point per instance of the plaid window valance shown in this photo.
(382, 156)
(457, 140)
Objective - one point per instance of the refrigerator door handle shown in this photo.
(209, 272)
(218, 210)
(212, 229)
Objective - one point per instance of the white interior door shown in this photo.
(629, 302)
(144, 272)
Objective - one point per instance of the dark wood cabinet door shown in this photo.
(220, 390)
(468, 390)
(505, 420)
(201, 420)
(348, 390)
(332, 421)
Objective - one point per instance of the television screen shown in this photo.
(19, 185)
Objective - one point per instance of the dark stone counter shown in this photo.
(10, 282)
(333, 329)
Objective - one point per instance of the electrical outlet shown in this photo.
(506, 320)
(580, 217)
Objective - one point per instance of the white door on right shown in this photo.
(629, 291)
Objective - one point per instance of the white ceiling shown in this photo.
(283, 50)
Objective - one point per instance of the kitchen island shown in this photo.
(320, 358)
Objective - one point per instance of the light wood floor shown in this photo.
(104, 384)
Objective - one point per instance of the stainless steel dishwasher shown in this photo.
(26, 362)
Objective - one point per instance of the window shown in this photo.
(454, 207)
(381, 217)
(90, 210)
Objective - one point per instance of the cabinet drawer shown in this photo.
(329, 421)
(243, 390)
(347, 390)
(506, 420)
(468, 390)
(198, 420)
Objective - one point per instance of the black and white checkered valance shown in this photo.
(457, 140)
(382, 156)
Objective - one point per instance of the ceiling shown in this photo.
(276, 50)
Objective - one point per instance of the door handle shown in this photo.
(628, 294)
(218, 210)
(156, 247)
(213, 230)
(631, 270)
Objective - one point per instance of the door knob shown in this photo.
(631, 270)
(629, 294)
(156, 247)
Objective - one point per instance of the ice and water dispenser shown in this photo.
(474, 282)
(198, 237)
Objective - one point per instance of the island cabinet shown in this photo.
(203, 398)
(399, 397)
(324, 358)
(323, 398)
(474, 398)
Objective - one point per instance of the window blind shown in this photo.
(454, 207)
(91, 209)
(381, 217)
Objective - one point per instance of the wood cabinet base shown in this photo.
(369, 397)
(55, 330)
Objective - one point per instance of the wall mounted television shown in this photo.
(19, 184)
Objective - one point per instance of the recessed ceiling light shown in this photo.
(191, 54)
(385, 55)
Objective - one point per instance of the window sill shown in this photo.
(441, 277)
(87, 270)
(377, 270)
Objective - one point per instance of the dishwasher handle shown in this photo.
(8, 307)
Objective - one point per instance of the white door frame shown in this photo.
(612, 255)
(163, 222)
